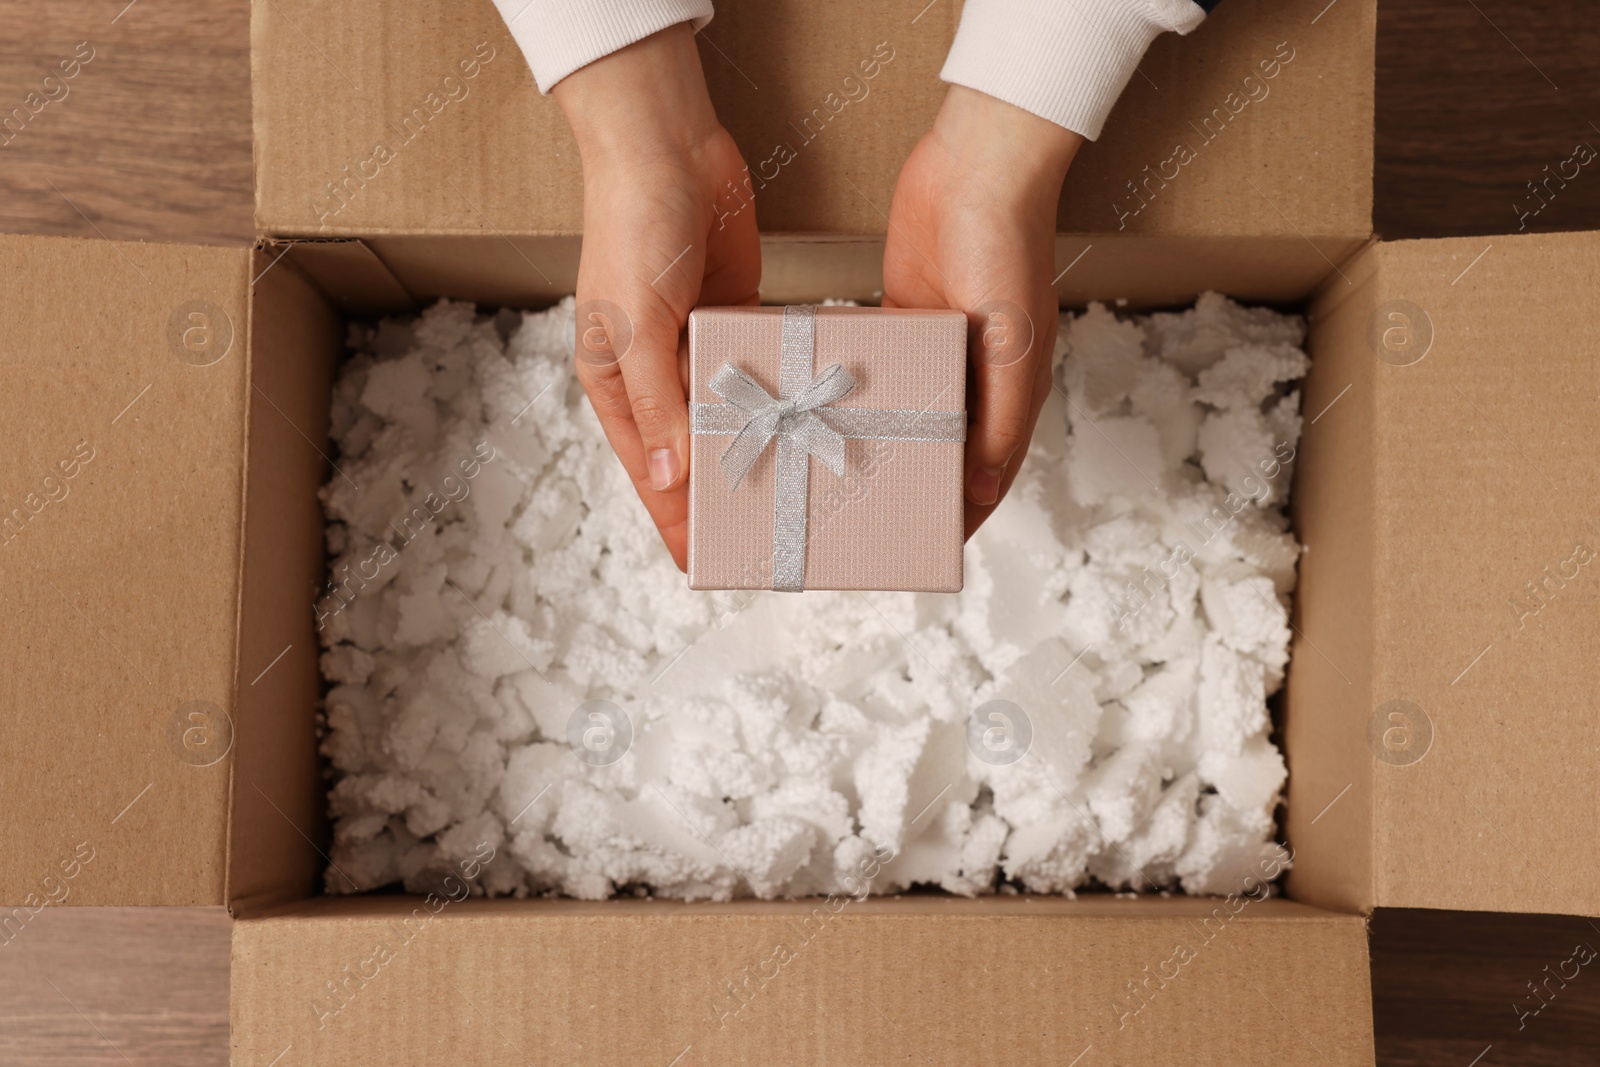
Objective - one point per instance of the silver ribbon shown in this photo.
(766, 417)
(803, 426)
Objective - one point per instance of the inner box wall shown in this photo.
(297, 338)
(278, 804)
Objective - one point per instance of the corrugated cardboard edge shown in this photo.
(346, 271)
(257, 61)
(1330, 802)
(999, 980)
(532, 270)
(277, 796)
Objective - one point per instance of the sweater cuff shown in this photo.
(559, 36)
(1063, 60)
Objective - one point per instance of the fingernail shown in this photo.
(985, 485)
(663, 468)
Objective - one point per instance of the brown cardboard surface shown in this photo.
(1000, 980)
(1295, 160)
(119, 598)
(390, 274)
(348, 273)
(1328, 818)
(1165, 272)
(493, 269)
(1485, 475)
(1477, 460)
(277, 803)
(1282, 155)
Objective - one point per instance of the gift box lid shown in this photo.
(892, 518)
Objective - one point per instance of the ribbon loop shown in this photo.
(771, 417)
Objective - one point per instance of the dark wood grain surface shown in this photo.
(1448, 987)
(112, 987)
(1476, 98)
(152, 137)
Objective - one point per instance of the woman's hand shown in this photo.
(972, 227)
(662, 233)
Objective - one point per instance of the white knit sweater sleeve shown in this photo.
(1063, 60)
(559, 36)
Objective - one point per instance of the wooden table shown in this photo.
(109, 987)
(1475, 98)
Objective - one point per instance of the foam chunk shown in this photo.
(496, 646)
(1123, 788)
(1247, 374)
(1050, 856)
(767, 852)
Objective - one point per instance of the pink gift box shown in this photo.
(826, 448)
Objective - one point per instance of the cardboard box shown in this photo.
(162, 684)
(1259, 125)
(1402, 588)
(262, 814)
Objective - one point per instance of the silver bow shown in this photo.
(794, 418)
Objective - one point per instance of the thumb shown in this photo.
(629, 334)
(1002, 338)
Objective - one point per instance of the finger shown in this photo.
(635, 385)
(656, 398)
(655, 379)
(910, 279)
(976, 514)
(608, 394)
(911, 247)
(1006, 339)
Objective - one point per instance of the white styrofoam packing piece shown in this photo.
(492, 571)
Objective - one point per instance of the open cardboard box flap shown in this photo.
(1442, 704)
(121, 481)
(419, 126)
(156, 594)
(1005, 980)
